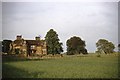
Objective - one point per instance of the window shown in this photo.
(32, 46)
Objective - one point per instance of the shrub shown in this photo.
(17, 51)
(98, 55)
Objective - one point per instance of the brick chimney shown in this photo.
(37, 38)
(19, 37)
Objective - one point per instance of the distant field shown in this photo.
(77, 66)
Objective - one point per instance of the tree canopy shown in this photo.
(118, 47)
(6, 46)
(53, 44)
(0, 46)
(75, 46)
(104, 46)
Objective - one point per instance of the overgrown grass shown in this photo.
(77, 66)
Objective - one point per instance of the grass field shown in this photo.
(77, 66)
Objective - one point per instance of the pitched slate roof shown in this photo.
(18, 42)
(29, 42)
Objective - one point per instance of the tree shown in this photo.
(0, 46)
(104, 46)
(75, 46)
(53, 44)
(118, 47)
(6, 46)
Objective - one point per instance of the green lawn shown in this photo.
(79, 66)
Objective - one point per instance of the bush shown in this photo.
(17, 51)
(98, 55)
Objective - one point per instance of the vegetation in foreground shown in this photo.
(69, 66)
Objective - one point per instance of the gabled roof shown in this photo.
(29, 42)
(18, 42)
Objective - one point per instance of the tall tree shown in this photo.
(53, 44)
(0, 46)
(75, 45)
(104, 46)
(6, 45)
(118, 47)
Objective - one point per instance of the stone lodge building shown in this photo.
(28, 47)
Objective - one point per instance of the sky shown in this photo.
(119, 22)
(0, 21)
(90, 21)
